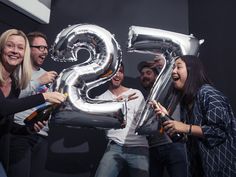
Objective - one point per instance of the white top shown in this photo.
(126, 136)
(33, 88)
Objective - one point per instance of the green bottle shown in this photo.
(41, 114)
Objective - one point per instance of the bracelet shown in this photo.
(190, 130)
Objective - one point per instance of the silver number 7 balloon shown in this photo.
(156, 42)
(103, 62)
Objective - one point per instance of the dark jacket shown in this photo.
(8, 107)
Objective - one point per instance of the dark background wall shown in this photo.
(214, 22)
(76, 152)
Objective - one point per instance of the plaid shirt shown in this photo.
(217, 149)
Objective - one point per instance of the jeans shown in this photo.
(2, 171)
(28, 155)
(116, 156)
(170, 156)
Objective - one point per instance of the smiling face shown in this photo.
(147, 77)
(179, 74)
(13, 52)
(118, 78)
(38, 56)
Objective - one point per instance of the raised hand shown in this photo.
(130, 97)
(47, 77)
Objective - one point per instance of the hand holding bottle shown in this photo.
(158, 108)
(43, 113)
(54, 97)
(171, 126)
(37, 126)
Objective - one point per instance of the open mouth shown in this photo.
(42, 57)
(13, 57)
(175, 77)
(116, 79)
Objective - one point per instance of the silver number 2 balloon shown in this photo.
(156, 42)
(77, 80)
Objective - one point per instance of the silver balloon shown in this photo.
(159, 42)
(103, 63)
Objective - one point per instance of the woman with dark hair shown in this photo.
(206, 117)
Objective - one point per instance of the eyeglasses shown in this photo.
(42, 48)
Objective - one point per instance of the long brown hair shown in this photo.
(195, 79)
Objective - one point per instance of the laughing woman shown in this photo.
(207, 119)
(15, 73)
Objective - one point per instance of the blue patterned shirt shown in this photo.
(217, 149)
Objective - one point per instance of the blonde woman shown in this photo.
(15, 73)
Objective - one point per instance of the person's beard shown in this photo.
(147, 84)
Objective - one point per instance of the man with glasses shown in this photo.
(29, 150)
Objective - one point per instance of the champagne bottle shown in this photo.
(176, 136)
(41, 114)
(165, 117)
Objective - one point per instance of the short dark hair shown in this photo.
(144, 64)
(32, 35)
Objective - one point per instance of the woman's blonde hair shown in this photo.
(22, 74)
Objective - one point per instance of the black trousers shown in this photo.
(171, 156)
(27, 155)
